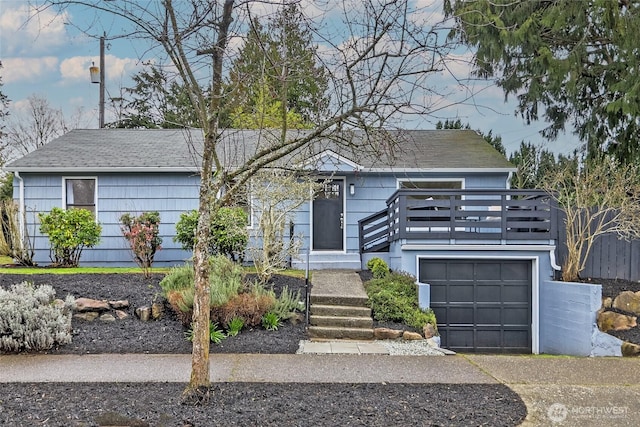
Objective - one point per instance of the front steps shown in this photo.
(340, 317)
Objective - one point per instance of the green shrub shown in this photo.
(216, 335)
(270, 321)
(235, 326)
(69, 231)
(394, 298)
(229, 236)
(31, 320)
(378, 267)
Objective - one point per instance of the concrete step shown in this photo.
(342, 321)
(345, 300)
(339, 310)
(326, 332)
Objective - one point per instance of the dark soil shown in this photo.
(163, 336)
(611, 288)
(261, 404)
(230, 404)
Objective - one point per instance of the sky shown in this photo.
(49, 55)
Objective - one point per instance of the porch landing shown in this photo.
(339, 306)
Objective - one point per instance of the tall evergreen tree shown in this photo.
(281, 61)
(156, 101)
(568, 62)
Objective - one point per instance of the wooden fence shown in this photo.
(610, 257)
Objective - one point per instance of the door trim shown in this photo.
(535, 286)
(344, 215)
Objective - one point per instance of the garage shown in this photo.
(482, 306)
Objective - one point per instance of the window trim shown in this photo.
(95, 195)
(399, 181)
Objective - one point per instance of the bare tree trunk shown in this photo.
(198, 389)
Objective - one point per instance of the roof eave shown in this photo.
(440, 170)
(43, 169)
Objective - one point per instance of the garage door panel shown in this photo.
(517, 338)
(459, 292)
(460, 338)
(516, 316)
(488, 338)
(515, 271)
(459, 315)
(488, 291)
(488, 316)
(481, 305)
(488, 271)
(461, 271)
(433, 272)
(515, 293)
(438, 292)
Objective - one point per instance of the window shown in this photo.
(80, 193)
(433, 185)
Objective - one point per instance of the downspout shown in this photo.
(21, 208)
(552, 257)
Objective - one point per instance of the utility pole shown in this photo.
(101, 111)
(97, 76)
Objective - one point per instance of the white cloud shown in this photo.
(77, 68)
(27, 69)
(27, 32)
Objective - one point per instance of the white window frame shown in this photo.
(399, 181)
(95, 195)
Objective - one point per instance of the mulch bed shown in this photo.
(611, 288)
(231, 404)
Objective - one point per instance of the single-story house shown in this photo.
(437, 206)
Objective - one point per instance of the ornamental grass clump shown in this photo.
(31, 319)
(226, 282)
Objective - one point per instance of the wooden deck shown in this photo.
(455, 216)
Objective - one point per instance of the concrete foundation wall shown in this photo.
(568, 320)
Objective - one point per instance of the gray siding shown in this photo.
(169, 194)
(174, 193)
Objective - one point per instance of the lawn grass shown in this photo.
(106, 270)
(79, 270)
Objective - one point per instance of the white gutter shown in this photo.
(21, 207)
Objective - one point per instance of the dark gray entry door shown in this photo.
(328, 216)
(481, 306)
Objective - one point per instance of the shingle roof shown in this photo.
(113, 150)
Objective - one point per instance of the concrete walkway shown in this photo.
(337, 284)
(563, 391)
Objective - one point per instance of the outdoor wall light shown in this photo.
(352, 189)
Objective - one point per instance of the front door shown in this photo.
(328, 217)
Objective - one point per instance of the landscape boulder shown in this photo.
(630, 350)
(411, 336)
(628, 301)
(386, 334)
(429, 331)
(612, 321)
(88, 304)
